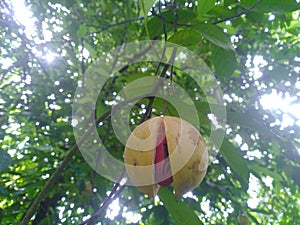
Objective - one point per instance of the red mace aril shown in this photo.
(163, 151)
(162, 170)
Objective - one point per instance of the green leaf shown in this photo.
(183, 16)
(229, 2)
(274, 6)
(235, 160)
(222, 12)
(133, 76)
(159, 105)
(139, 87)
(204, 6)
(81, 32)
(42, 148)
(265, 171)
(5, 160)
(203, 109)
(145, 7)
(1, 215)
(160, 215)
(47, 220)
(155, 27)
(154, 23)
(186, 37)
(279, 71)
(73, 29)
(91, 50)
(179, 211)
(223, 60)
(3, 191)
(246, 120)
(253, 218)
(215, 35)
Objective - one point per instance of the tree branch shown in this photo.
(238, 15)
(25, 41)
(116, 24)
(162, 18)
(118, 187)
(163, 73)
(82, 59)
(115, 191)
(43, 193)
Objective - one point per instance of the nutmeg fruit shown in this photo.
(163, 151)
(243, 219)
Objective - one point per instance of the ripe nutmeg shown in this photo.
(163, 151)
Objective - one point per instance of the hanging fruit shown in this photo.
(163, 151)
(243, 219)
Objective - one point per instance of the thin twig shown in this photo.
(115, 191)
(107, 203)
(82, 59)
(118, 187)
(162, 18)
(162, 75)
(216, 22)
(116, 24)
(26, 42)
(42, 194)
(238, 15)
(148, 110)
(175, 19)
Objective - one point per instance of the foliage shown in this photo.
(259, 158)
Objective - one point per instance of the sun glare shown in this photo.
(279, 102)
(24, 16)
(113, 209)
(282, 103)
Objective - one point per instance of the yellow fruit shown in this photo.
(165, 150)
(243, 219)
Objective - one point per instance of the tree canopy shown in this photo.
(249, 47)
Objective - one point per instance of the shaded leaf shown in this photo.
(91, 50)
(186, 37)
(274, 6)
(246, 120)
(5, 160)
(235, 160)
(179, 211)
(224, 61)
(3, 191)
(254, 219)
(228, 2)
(223, 12)
(182, 16)
(265, 171)
(204, 6)
(145, 6)
(81, 32)
(155, 27)
(215, 35)
(42, 148)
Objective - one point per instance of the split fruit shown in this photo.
(165, 150)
